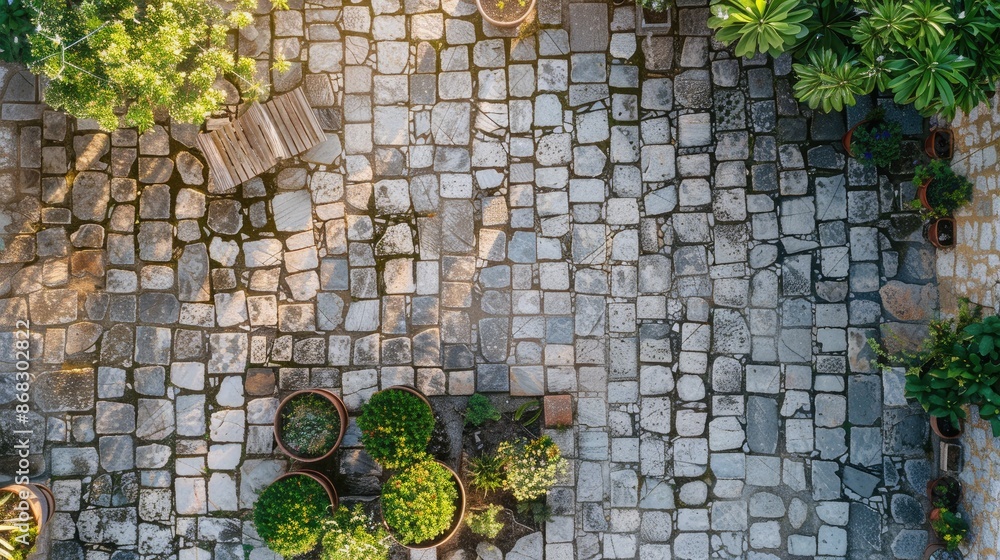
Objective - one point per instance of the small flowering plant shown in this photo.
(396, 427)
(531, 467)
(353, 535)
(951, 528)
(877, 142)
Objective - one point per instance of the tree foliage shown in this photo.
(105, 56)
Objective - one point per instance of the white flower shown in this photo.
(961, 15)
(880, 58)
(960, 58)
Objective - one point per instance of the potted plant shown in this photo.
(309, 425)
(949, 526)
(941, 191)
(352, 535)
(945, 429)
(423, 506)
(944, 492)
(938, 144)
(875, 140)
(291, 513)
(396, 426)
(505, 13)
(530, 468)
(652, 16)
(941, 232)
(24, 511)
(936, 551)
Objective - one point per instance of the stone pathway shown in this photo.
(646, 223)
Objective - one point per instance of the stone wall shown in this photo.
(972, 270)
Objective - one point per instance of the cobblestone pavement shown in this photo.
(645, 223)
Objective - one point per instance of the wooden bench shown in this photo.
(259, 138)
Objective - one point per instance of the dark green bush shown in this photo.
(947, 191)
(879, 142)
(479, 410)
(310, 425)
(418, 504)
(15, 28)
(290, 515)
(395, 428)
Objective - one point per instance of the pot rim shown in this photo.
(321, 479)
(337, 403)
(513, 23)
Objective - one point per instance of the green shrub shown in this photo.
(395, 428)
(102, 55)
(947, 191)
(530, 467)
(15, 542)
(15, 28)
(418, 504)
(290, 515)
(479, 410)
(878, 142)
(759, 26)
(485, 523)
(352, 535)
(310, 425)
(487, 472)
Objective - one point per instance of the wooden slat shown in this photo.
(280, 118)
(261, 136)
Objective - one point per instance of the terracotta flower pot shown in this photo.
(931, 549)
(279, 423)
(456, 522)
(413, 391)
(497, 19)
(40, 500)
(954, 497)
(938, 144)
(846, 140)
(941, 234)
(319, 477)
(922, 194)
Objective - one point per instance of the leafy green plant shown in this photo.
(878, 142)
(15, 28)
(291, 514)
(946, 191)
(927, 78)
(887, 23)
(418, 504)
(951, 528)
(539, 511)
(946, 494)
(530, 467)
(486, 472)
(829, 27)
(479, 410)
(395, 428)
(759, 26)
(929, 20)
(830, 82)
(485, 523)
(353, 535)
(528, 412)
(310, 425)
(17, 533)
(104, 56)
